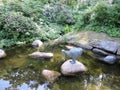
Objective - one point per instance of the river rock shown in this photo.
(69, 69)
(84, 46)
(109, 46)
(118, 51)
(41, 55)
(99, 51)
(50, 75)
(110, 59)
(2, 53)
(37, 43)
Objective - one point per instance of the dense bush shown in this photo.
(29, 8)
(103, 17)
(17, 27)
(22, 21)
(59, 13)
(104, 14)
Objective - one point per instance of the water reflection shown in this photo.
(5, 85)
(23, 73)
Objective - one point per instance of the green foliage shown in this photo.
(58, 12)
(5, 1)
(17, 27)
(67, 29)
(22, 21)
(103, 17)
(29, 8)
(103, 14)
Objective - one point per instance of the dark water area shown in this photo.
(20, 72)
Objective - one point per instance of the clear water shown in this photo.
(19, 72)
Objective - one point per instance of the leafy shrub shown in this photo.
(17, 27)
(29, 8)
(59, 13)
(104, 14)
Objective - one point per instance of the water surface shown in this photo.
(19, 72)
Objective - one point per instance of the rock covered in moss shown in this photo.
(2, 53)
(69, 69)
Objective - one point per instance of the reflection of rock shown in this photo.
(37, 44)
(2, 53)
(41, 55)
(50, 75)
(97, 86)
(71, 69)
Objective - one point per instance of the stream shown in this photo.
(20, 72)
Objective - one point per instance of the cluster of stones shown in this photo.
(107, 51)
(49, 75)
(67, 68)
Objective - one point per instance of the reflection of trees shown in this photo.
(28, 75)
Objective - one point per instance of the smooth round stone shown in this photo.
(69, 69)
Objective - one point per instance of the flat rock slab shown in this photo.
(69, 69)
(100, 52)
(106, 45)
(41, 55)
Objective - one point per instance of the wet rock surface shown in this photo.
(99, 43)
(69, 69)
(41, 55)
(109, 46)
(2, 53)
(50, 75)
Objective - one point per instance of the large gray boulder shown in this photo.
(106, 45)
(41, 55)
(2, 53)
(69, 69)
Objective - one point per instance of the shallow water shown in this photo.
(19, 72)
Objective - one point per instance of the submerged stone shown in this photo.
(110, 59)
(69, 69)
(41, 55)
(50, 75)
(2, 53)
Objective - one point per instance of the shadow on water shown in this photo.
(19, 72)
